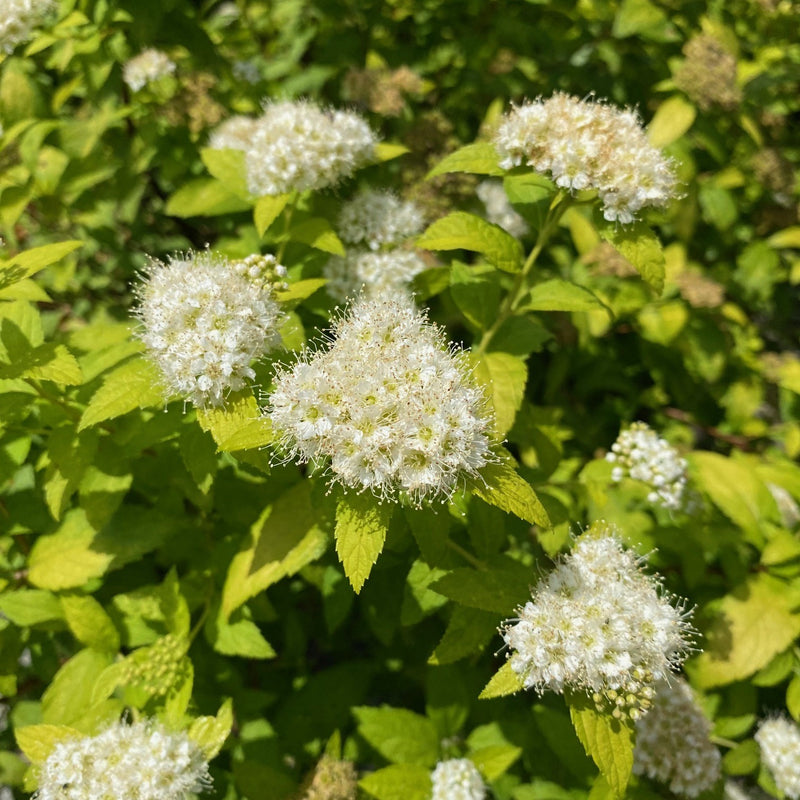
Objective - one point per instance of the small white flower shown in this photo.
(143, 760)
(597, 623)
(294, 146)
(378, 218)
(205, 319)
(236, 133)
(389, 272)
(641, 454)
(389, 406)
(779, 740)
(19, 18)
(457, 779)
(584, 144)
(499, 210)
(673, 742)
(148, 66)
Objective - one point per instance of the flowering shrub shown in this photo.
(399, 400)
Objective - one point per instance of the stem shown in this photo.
(520, 287)
(466, 555)
(288, 213)
(71, 412)
(722, 742)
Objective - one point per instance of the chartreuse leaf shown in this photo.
(285, 538)
(479, 158)
(210, 733)
(228, 167)
(26, 607)
(672, 119)
(135, 384)
(528, 188)
(500, 485)
(361, 526)
(750, 626)
(238, 425)
(399, 735)
(29, 262)
(69, 695)
(268, 209)
(89, 622)
(204, 197)
(317, 233)
(504, 376)
(462, 231)
(504, 682)
(495, 759)
(608, 741)
(386, 151)
(38, 741)
(398, 782)
(788, 237)
(298, 291)
(560, 295)
(468, 631)
(237, 637)
(498, 590)
(639, 245)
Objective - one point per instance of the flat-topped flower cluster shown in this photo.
(457, 779)
(389, 406)
(148, 66)
(586, 144)
(597, 623)
(19, 18)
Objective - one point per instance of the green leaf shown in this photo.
(26, 607)
(468, 631)
(462, 231)
(750, 626)
(793, 698)
(528, 188)
(476, 293)
(495, 760)
(286, 537)
(228, 167)
(386, 151)
(38, 741)
(29, 262)
(672, 119)
(318, 233)
(361, 526)
(560, 295)
(399, 735)
(89, 623)
(240, 637)
(608, 741)
(204, 197)
(299, 291)
(210, 733)
(135, 384)
(498, 590)
(398, 782)
(268, 209)
(639, 245)
(503, 487)
(637, 17)
(504, 682)
(787, 238)
(479, 159)
(238, 425)
(504, 377)
(69, 695)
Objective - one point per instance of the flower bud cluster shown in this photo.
(143, 760)
(457, 779)
(158, 668)
(673, 742)
(294, 146)
(393, 409)
(18, 18)
(779, 740)
(148, 66)
(584, 144)
(598, 624)
(641, 454)
(708, 75)
(499, 210)
(205, 319)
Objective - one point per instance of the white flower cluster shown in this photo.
(205, 319)
(641, 454)
(18, 18)
(457, 779)
(673, 742)
(597, 623)
(779, 740)
(148, 66)
(377, 273)
(236, 133)
(588, 145)
(294, 146)
(499, 210)
(378, 218)
(388, 403)
(141, 761)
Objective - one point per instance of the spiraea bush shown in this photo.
(399, 400)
